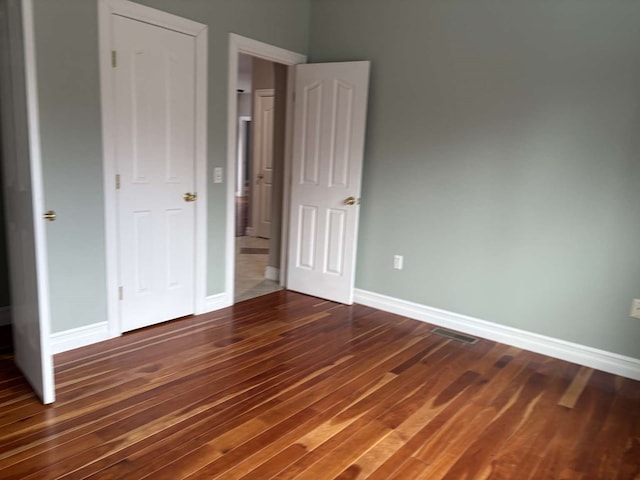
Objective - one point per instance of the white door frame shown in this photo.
(106, 8)
(238, 45)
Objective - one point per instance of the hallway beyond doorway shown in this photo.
(252, 254)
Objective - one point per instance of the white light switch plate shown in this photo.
(217, 175)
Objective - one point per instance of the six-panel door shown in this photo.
(155, 150)
(329, 126)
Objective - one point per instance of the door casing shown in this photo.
(106, 9)
(237, 45)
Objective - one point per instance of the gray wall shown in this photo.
(244, 104)
(5, 292)
(69, 91)
(503, 152)
(502, 158)
(70, 123)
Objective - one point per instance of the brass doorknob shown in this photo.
(260, 176)
(50, 216)
(350, 201)
(190, 197)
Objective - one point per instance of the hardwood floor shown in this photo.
(288, 386)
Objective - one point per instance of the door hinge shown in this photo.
(120, 293)
(114, 58)
(118, 181)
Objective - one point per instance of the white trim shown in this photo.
(5, 316)
(108, 166)
(79, 337)
(238, 45)
(37, 191)
(107, 8)
(552, 347)
(201, 170)
(126, 8)
(218, 301)
(272, 273)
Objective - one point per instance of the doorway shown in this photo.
(261, 105)
(324, 244)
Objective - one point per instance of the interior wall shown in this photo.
(6, 115)
(66, 42)
(5, 292)
(244, 104)
(502, 158)
(262, 75)
(69, 95)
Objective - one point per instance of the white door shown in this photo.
(154, 83)
(329, 127)
(23, 210)
(263, 162)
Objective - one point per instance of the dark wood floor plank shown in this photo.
(425, 423)
(363, 371)
(147, 464)
(114, 430)
(289, 386)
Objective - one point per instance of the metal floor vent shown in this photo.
(454, 335)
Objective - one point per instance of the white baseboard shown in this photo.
(79, 337)
(552, 347)
(5, 316)
(98, 332)
(272, 273)
(216, 302)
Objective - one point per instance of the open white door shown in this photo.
(328, 143)
(23, 199)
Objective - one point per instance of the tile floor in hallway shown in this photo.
(250, 269)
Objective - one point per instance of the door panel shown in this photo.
(23, 210)
(306, 237)
(310, 114)
(336, 230)
(155, 143)
(341, 134)
(328, 142)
